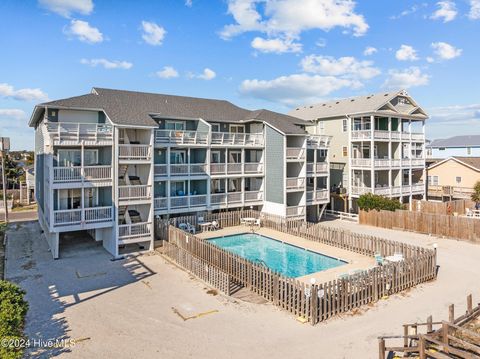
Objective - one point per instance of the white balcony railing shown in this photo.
(135, 230)
(181, 137)
(234, 168)
(78, 174)
(239, 139)
(134, 152)
(361, 162)
(135, 192)
(160, 170)
(178, 202)
(317, 168)
(387, 135)
(198, 169)
(318, 141)
(361, 135)
(358, 190)
(295, 211)
(160, 203)
(295, 153)
(382, 190)
(83, 216)
(295, 183)
(318, 195)
(234, 197)
(188, 201)
(217, 168)
(179, 170)
(253, 167)
(218, 198)
(253, 196)
(418, 162)
(74, 133)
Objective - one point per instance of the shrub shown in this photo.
(369, 201)
(13, 309)
(476, 193)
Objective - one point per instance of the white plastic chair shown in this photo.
(215, 226)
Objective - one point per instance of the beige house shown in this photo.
(377, 146)
(453, 177)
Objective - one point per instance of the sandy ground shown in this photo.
(123, 309)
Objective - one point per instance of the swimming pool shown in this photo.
(283, 258)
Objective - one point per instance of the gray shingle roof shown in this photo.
(457, 141)
(136, 108)
(357, 105)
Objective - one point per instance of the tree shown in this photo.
(369, 201)
(476, 193)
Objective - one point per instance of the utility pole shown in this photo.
(4, 148)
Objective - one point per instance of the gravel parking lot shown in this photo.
(145, 307)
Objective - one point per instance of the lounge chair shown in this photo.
(258, 222)
(187, 227)
(215, 226)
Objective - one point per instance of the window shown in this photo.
(235, 157)
(69, 198)
(344, 125)
(175, 125)
(237, 128)
(432, 180)
(90, 158)
(441, 149)
(469, 151)
(69, 158)
(458, 179)
(215, 157)
(215, 127)
(344, 151)
(177, 188)
(321, 127)
(177, 157)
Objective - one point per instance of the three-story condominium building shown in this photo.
(378, 146)
(110, 162)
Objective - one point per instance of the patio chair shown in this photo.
(379, 259)
(187, 227)
(215, 225)
(468, 212)
(258, 222)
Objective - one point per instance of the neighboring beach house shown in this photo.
(457, 146)
(111, 161)
(378, 146)
(453, 178)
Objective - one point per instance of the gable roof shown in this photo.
(457, 141)
(137, 108)
(472, 162)
(384, 103)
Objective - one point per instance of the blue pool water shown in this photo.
(283, 258)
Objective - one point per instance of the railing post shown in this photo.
(381, 348)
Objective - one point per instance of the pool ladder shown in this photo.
(262, 262)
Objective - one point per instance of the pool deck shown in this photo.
(354, 261)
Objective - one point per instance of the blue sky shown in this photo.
(274, 54)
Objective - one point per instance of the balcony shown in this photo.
(134, 152)
(295, 211)
(360, 135)
(160, 170)
(82, 217)
(450, 191)
(237, 139)
(317, 168)
(253, 196)
(64, 133)
(361, 162)
(295, 184)
(236, 168)
(188, 201)
(134, 233)
(82, 174)
(295, 154)
(320, 195)
(134, 192)
(318, 141)
(166, 137)
(387, 163)
(385, 190)
(194, 169)
(160, 203)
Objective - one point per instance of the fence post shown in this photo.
(381, 348)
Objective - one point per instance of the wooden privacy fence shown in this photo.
(313, 302)
(447, 208)
(466, 228)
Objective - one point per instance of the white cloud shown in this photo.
(286, 18)
(406, 53)
(369, 50)
(65, 8)
(167, 72)
(207, 74)
(474, 13)
(84, 32)
(445, 51)
(347, 67)
(276, 45)
(408, 11)
(188, 3)
(107, 63)
(430, 59)
(153, 34)
(294, 89)
(321, 42)
(410, 77)
(25, 94)
(12, 113)
(447, 11)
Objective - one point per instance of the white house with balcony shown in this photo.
(378, 146)
(111, 161)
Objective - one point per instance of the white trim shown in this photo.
(454, 159)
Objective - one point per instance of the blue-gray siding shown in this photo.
(274, 165)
